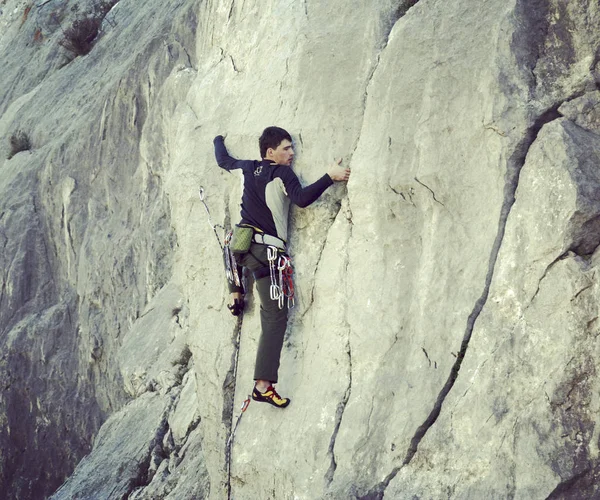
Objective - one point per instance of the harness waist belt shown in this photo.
(267, 239)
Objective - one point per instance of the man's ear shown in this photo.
(270, 152)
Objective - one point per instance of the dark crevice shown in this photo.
(230, 378)
(229, 397)
(514, 166)
(587, 287)
(527, 43)
(233, 64)
(562, 256)
(571, 487)
(431, 191)
(338, 419)
(342, 405)
(401, 194)
(404, 7)
(155, 455)
(426, 355)
(321, 250)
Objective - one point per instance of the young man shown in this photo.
(269, 187)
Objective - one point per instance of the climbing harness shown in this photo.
(281, 273)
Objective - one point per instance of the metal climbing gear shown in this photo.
(231, 267)
(286, 273)
(274, 290)
(213, 226)
(281, 273)
(237, 309)
(243, 408)
(231, 427)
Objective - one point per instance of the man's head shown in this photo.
(276, 145)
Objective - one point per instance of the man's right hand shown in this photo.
(338, 173)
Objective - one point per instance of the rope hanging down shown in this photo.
(243, 408)
(232, 274)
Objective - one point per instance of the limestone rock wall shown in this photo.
(443, 342)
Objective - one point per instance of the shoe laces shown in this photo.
(275, 395)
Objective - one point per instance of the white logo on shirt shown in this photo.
(258, 171)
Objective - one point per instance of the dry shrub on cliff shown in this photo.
(19, 141)
(80, 37)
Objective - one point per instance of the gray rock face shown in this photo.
(444, 342)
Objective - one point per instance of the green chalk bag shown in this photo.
(241, 239)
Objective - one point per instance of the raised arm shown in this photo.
(303, 196)
(309, 194)
(224, 160)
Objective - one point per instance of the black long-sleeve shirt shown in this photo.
(268, 190)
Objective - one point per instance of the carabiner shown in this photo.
(271, 253)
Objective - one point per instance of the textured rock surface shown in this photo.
(444, 342)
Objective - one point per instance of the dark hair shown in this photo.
(271, 138)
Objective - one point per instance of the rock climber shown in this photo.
(269, 187)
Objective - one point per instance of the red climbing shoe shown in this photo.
(270, 396)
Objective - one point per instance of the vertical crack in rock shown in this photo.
(230, 10)
(229, 398)
(230, 377)
(321, 250)
(514, 166)
(342, 405)
(339, 415)
(403, 7)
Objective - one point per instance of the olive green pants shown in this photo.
(273, 320)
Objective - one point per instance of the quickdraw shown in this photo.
(231, 267)
(286, 275)
(243, 408)
(213, 226)
(281, 273)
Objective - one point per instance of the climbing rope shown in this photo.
(243, 408)
(234, 277)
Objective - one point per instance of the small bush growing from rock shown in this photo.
(79, 38)
(19, 141)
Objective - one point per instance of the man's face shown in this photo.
(284, 154)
